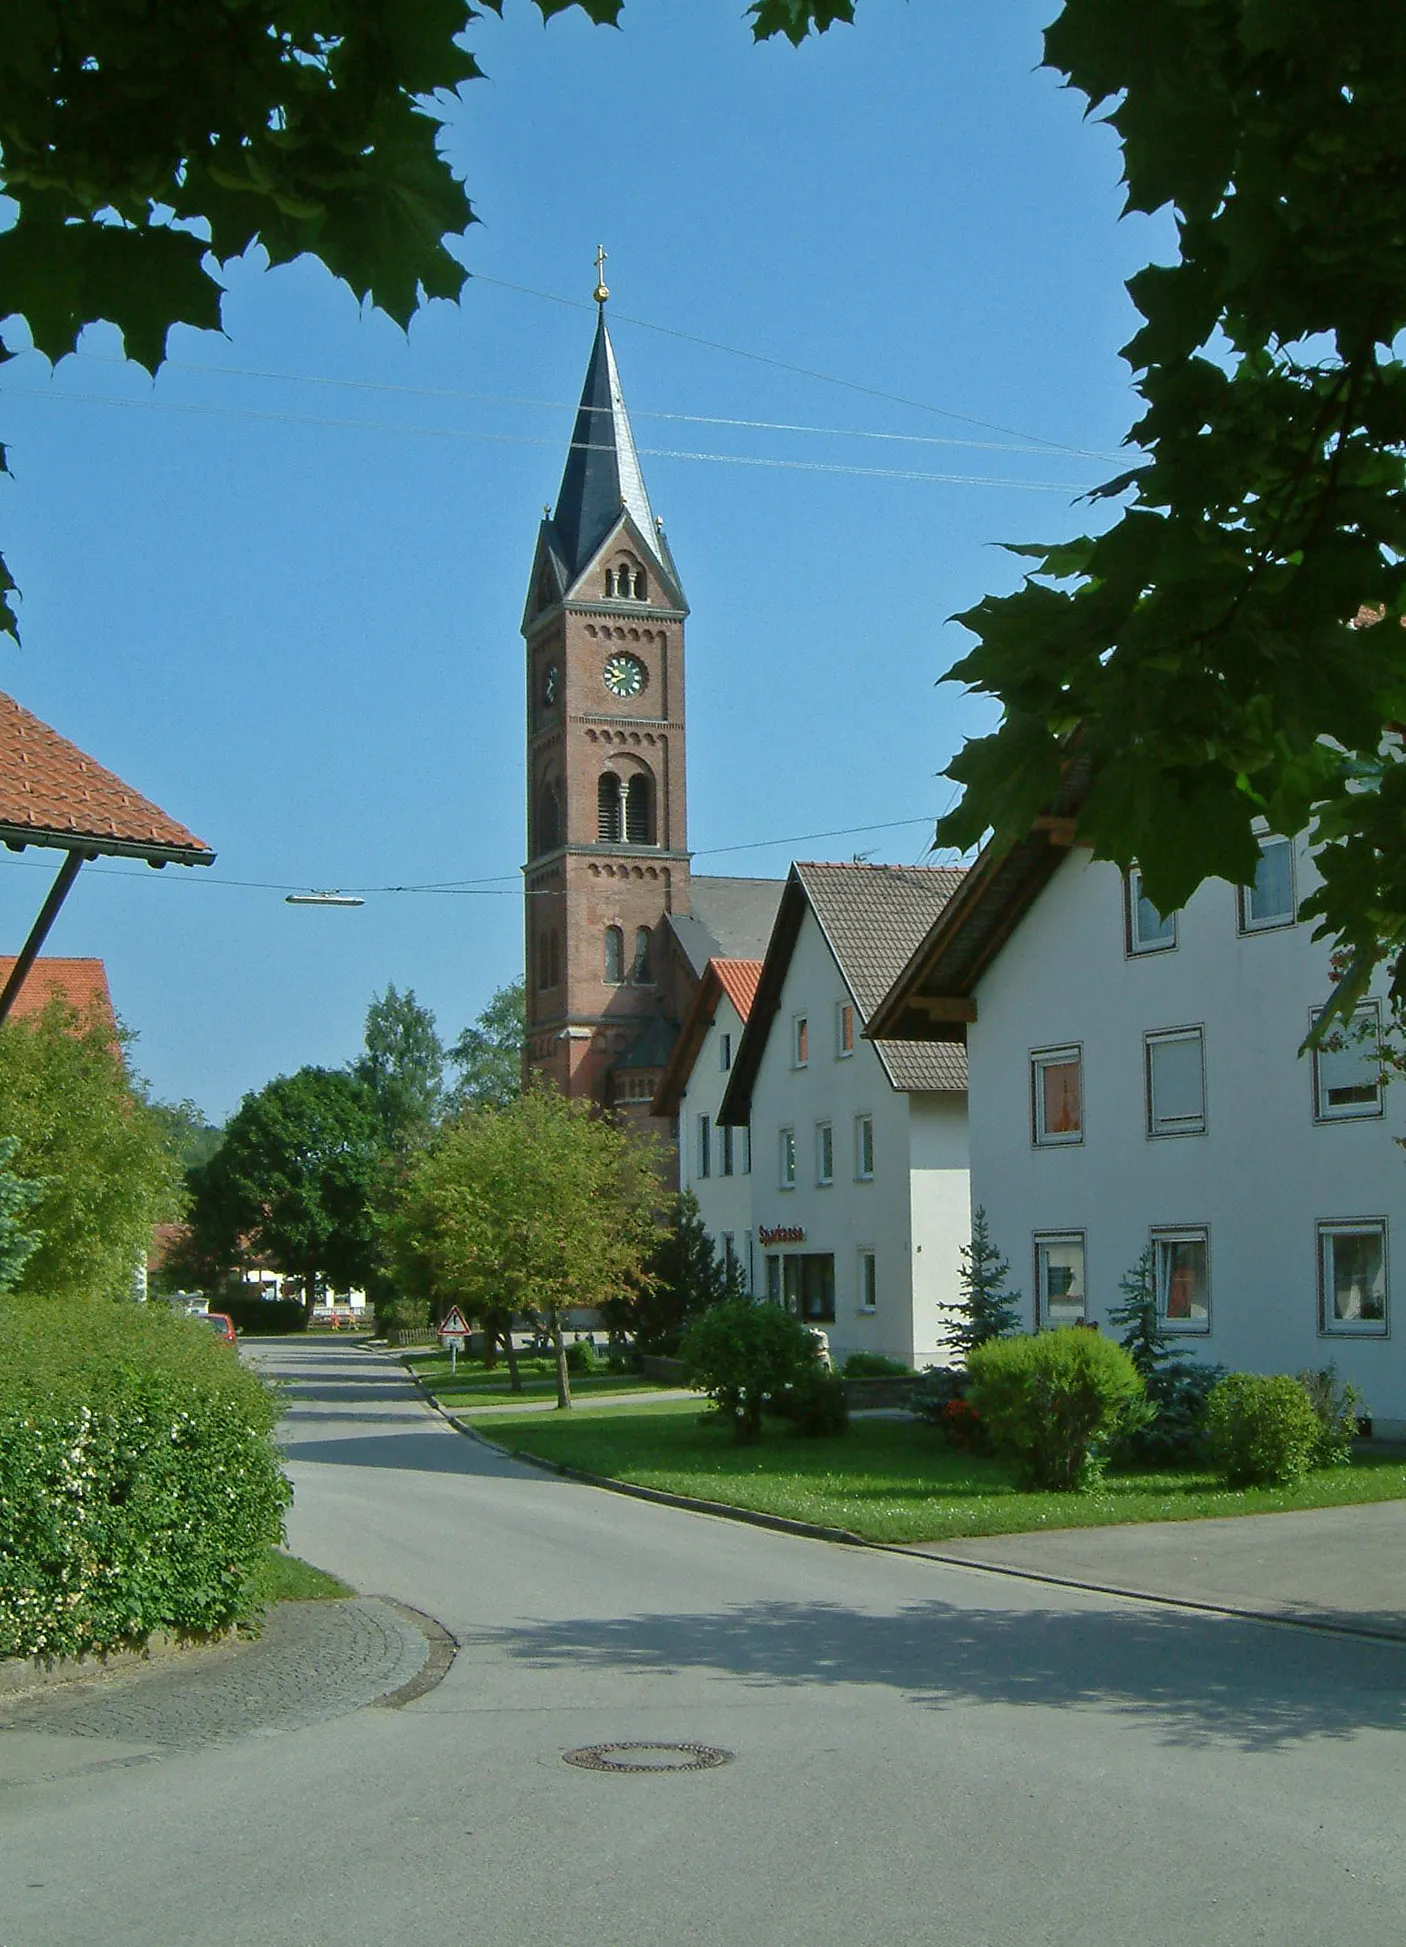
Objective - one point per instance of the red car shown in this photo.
(222, 1325)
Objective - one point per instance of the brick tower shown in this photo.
(607, 839)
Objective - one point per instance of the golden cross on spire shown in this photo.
(601, 291)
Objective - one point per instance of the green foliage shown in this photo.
(262, 1317)
(489, 1054)
(819, 1404)
(19, 1240)
(1175, 1434)
(293, 1181)
(1054, 1401)
(1337, 1408)
(100, 1156)
(402, 1068)
(740, 1353)
(189, 1137)
(139, 1485)
(873, 1365)
(687, 1277)
(582, 1358)
(986, 1309)
(1142, 1337)
(1263, 1430)
(529, 1210)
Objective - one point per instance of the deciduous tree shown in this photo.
(402, 1067)
(489, 1054)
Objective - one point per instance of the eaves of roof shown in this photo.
(735, 978)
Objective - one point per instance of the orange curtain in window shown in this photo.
(1061, 1082)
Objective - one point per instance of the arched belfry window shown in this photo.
(639, 811)
(608, 809)
(625, 584)
(640, 970)
(614, 956)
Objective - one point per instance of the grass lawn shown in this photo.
(894, 1480)
(293, 1580)
(474, 1385)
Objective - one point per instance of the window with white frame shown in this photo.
(1347, 1074)
(787, 1176)
(1269, 900)
(744, 1150)
(1057, 1095)
(824, 1153)
(724, 1051)
(864, 1147)
(800, 1041)
(1148, 931)
(705, 1146)
(1059, 1278)
(1352, 1287)
(726, 1149)
(844, 1030)
(868, 1281)
(1176, 1082)
(1182, 1263)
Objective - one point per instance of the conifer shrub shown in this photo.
(1053, 1402)
(139, 1485)
(1263, 1429)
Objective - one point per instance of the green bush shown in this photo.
(820, 1408)
(939, 1387)
(1337, 1410)
(1053, 1402)
(741, 1352)
(582, 1358)
(873, 1365)
(1175, 1435)
(1263, 1430)
(139, 1484)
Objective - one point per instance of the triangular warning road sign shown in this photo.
(455, 1325)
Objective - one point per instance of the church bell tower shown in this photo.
(607, 838)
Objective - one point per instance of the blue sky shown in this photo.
(279, 589)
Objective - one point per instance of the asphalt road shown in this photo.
(920, 1752)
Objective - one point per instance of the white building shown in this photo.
(848, 1157)
(1136, 1081)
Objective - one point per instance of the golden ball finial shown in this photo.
(602, 290)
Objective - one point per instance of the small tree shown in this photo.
(19, 1240)
(986, 1309)
(537, 1208)
(1142, 1337)
(294, 1181)
(740, 1353)
(687, 1276)
(489, 1054)
(402, 1067)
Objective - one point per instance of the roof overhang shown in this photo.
(94, 845)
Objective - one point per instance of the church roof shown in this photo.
(729, 919)
(602, 475)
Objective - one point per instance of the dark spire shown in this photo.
(602, 469)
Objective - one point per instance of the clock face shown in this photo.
(624, 675)
(550, 684)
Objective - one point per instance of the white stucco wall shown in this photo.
(918, 1189)
(1263, 1175)
(725, 1202)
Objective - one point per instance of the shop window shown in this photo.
(809, 1286)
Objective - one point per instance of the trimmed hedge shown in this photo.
(139, 1484)
(1263, 1429)
(1054, 1401)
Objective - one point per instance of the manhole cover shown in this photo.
(647, 1757)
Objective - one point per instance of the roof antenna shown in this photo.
(602, 290)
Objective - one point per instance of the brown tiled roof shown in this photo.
(82, 983)
(52, 793)
(873, 917)
(739, 979)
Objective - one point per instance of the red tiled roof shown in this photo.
(739, 979)
(52, 793)
(82, 983)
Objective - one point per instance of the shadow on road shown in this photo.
(437, 1450)
(1199, 1680)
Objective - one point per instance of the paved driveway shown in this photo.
(921, 1752)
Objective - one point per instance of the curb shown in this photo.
(912, 1552)
(443, 1647)
(21, 1674)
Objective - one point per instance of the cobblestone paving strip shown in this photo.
(315, 1660)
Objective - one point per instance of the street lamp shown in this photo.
(322, 899)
